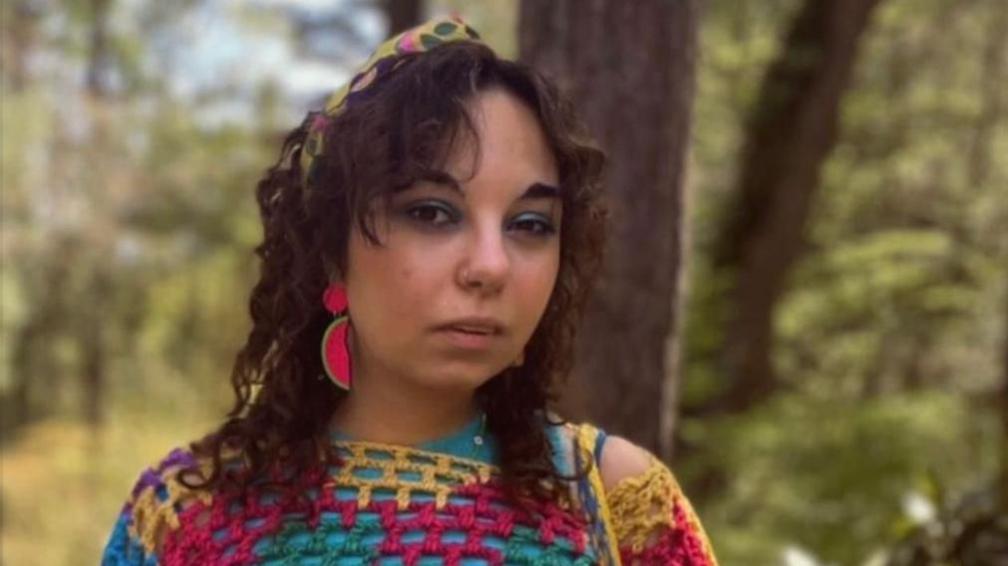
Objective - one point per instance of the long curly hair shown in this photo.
(384, 142)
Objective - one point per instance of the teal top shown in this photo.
(461, 443)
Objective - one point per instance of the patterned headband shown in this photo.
(384, 60)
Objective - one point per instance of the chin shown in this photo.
(457, 376)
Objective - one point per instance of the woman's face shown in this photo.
(464, 273)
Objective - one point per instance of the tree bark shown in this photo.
(18, 41)
(401, 14)
(629, 66)
(1002, 405)
(792, 130)
(34, 372)
(99, 50)
(995, 72)
(93, 344)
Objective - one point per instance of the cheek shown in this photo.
(388, 283)
(535, 284)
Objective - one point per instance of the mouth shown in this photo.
(474, 326)
(474, 330)
(471, 329)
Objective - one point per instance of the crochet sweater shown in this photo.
(436, 503)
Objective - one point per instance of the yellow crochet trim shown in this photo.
(153, 518)
(642, 506)
(439, 473)
(586, 436)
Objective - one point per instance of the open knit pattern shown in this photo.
(655, 523)
(388, 504)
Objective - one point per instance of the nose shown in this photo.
(486, 265)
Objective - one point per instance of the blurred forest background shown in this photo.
(819, 190)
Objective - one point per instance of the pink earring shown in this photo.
(335, 350)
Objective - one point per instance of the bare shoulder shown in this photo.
(622, 459)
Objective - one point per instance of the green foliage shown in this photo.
(831, 475)
(128, 228)
(889, 340)
(129, 221)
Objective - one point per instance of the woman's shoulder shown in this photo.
(623, 460)
(652, 518)
(153, 506)
(618, 458)
(162, 482)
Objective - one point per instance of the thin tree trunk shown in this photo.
(630, 68)
(19, 38)
(401, 14)
(33, 369)
(1003, 407)
(20, 404)
(791, 133)
(995, 73)
(91, 339)
(90, 331)
(99, 51)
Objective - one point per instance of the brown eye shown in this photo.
(432, 213)
(533, 224)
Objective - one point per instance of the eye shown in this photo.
(432, 213)
(533, 224)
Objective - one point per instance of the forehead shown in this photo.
(510, 145)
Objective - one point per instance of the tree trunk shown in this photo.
(995, 72)
(401, 14)
(99, 50)
(93, 344)
(792, 131)
(629, 66)
(35, 374)
(19, 39)
(1002, 405)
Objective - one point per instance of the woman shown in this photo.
(434, 232)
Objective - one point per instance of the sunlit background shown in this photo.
(133, 134)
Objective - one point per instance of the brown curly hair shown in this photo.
(381, 143)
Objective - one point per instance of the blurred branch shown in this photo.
(791, 132)
(99, 54)
(992, 93)
(1003, 409)
(19, 37)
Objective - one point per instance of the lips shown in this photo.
(478, 326)
(483, 331)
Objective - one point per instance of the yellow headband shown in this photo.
(384, 60)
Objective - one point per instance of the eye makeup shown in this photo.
(440, 214)
(430, 213)
(533, 224)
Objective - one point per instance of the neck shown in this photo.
(408, 415)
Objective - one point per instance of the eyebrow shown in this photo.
(535, 190)
(540, 190)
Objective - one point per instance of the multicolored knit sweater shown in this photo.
(437, 503)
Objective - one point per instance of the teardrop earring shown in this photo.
(335, 348)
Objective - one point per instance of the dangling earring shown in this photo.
(335, 349)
